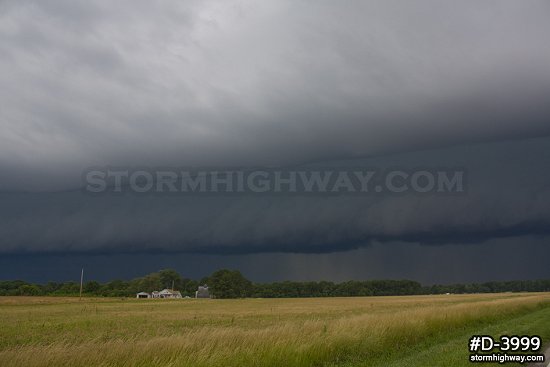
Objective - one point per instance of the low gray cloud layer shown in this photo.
(198, 83)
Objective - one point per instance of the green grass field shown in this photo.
(362, 331)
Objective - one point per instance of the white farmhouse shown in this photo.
(165, 293)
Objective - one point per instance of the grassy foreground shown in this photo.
(362, 331)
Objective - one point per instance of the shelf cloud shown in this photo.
(506, 195)
(271, 84)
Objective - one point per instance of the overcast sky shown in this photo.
(379, 84)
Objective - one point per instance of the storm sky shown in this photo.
(384, 84)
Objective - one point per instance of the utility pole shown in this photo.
(81, 279)
(172, 284)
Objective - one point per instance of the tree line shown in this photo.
(226, 283)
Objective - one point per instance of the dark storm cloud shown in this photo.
(215, 83)
(507, 196)
(267, 83)
(513, 258)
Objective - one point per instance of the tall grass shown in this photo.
(307, 332)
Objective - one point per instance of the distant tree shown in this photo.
(229, 284)
(118, 288)
(188, 287)
(149, 283)
(29, 290)
(169, 277)
(92, 287)
(50, 287)
(68, 288)
(232, 284)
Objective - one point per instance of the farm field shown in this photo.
(359, 331)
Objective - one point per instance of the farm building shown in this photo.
(202, 292)
(165, 293)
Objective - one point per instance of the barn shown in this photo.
(202, 292)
